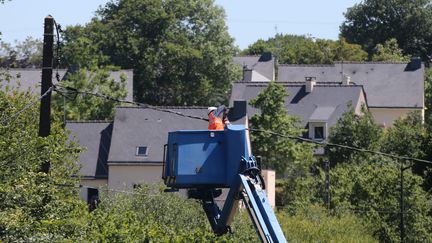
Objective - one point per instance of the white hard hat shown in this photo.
(211, 108)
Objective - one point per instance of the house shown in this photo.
(129, 150)
(392, 89)
(318, 105)
(30, 79)
(257, 68)
(138, 139)
(95, 138)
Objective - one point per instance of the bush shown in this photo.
(314, 224)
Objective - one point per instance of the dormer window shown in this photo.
(318, 130)
(141, 151)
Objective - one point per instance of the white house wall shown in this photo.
(93, 183)
(124, 177)
(386, 117)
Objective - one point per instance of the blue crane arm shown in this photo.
(260, 211)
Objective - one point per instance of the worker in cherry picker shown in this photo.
(217, 117)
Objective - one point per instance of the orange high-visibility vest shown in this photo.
(215, 123)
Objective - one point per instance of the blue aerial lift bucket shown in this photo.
(205, 160)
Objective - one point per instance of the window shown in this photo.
(141, 151)
(319, 132)
(92, 198)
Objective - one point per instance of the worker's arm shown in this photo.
(220, 110)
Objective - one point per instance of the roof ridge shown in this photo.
(301, 83)
(306, 65)
(371, 62)
(344, 62)
(248, 56)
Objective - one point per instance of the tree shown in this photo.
(371, 190)
(294, 49)
(25, 54)
(87, 107)
(410, 137)
(150, 214)
(180, 51)
(373, 22)
(314, 224)
(278, 153)
(428, 95)
(389, 52)
(406, 137)
(353, 130)
(34, 206)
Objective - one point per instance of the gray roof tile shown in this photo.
(323, 98)
(386, 84)
(95, 138)
(30, 79)
(264, 68)
(134, 126)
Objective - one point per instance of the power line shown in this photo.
(324, 143)
(67, 90)
(3, 122)
(302, 139)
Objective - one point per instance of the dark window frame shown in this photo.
(138, 151)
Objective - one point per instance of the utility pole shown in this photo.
(402, 202)
(402, 206)
(327, 183)
(47, 69)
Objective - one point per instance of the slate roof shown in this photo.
(262, 66)
(325, 102)
(387, 85)
(136, 126)
(95, 137)
(30, 79)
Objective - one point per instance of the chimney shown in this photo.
(238, 111)
(265, 57)
(346, 80)
(247, 74)
(414, 64)
(310, 83)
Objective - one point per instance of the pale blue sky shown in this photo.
(247, 20)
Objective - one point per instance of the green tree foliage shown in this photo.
(294, 191)
(389, 52)
(294, 49)
(373, 22)
(355, 130)
(410, 137)
(278, 153)
(314, 224)
(406, 137)
(87, 107)
(25, 54)
(33, 205)
(149, 214)
(428, 95)
(180, 51)
(371, 190)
